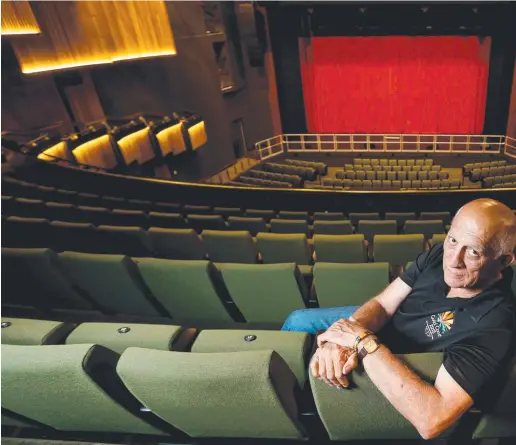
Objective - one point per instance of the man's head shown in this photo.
(479, 245)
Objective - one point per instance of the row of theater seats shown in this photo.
(162, 380)
(507, 180)
(195, 291)
(391, 168)
(320, 167)
(294, 180)
(491, 172)
(391, 175)
(468, 168)
(307, 173)
(248, 180)
(391, 161)
(333, 241)
(435, 184)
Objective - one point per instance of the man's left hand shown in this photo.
(343, 333)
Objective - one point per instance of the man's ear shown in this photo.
(507, 259)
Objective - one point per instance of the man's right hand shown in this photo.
(332, 362)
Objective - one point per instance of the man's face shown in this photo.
(468, 261)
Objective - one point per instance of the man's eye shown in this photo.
(452, 240)
(474, 253)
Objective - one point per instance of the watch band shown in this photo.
(364, 350)
(360, 337)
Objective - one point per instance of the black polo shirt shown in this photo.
(475, 334)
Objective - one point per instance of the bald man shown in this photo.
(454, 298)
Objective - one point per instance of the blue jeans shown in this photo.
(313, 320)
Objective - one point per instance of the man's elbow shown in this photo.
(431, 430)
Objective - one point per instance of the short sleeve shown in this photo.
(474, 361)
(410, 275)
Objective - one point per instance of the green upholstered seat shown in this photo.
(14, 421)
(126, 240)
(328, 216)
(60, 386)
(34, 276)
(267, 215)
(176, 244)
(427, 227)
(284, 248)
(332, 227)
(77, 237)
(343, 413)
(230, 246)
(339, 248)
(226, 212)
(289, 226)
(371, 228)
(206, 222)
(293, 347)
(398, 249)
(95, 215)
(26, 232)
(355, 217)
(197, 210)
(265, 293)
(400, 217)
(445, 217)
(120, 336)
(246, 394)
(285, 214)
(437, 238)
(25, 331)
(167, 220)
(251, 225)
(111, 280)
(349, 284)
(132, 218)
(185, 288)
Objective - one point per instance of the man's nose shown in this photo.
(456, 258)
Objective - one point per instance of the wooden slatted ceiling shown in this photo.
(18, 18)
(83, 33)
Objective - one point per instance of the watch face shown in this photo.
(370, 345)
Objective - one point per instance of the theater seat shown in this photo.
(397, 249)
(112, 281)
(293, 347)
(176, 244)
(167, 220)
(239, 392)
(226, 212)
(24, 331)
(340, 248)
(289, 226)
(437, 238)
(206, 222)
(138, 204)
(293, 215)
(328, 216)
(349, 284)
(32, 277)
(371, 228)
(62, 212)
(121, 217)
(251, 225)
(427, 228)
(185, 289)
(265, 214)
(342, 412)
(284, 248)
(265, 293)
(445, 217)
(88, 200)
(96, 215)
(120, 336)
(197, 210)
(356, 217)
(167, 207)
(29, 208)
(400, 217)
(77, 237)
(112, 202)
(69, 388)
(131, 241)
(323, 227)
(230, 246)
(26, 232)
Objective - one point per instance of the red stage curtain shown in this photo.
(395, 84)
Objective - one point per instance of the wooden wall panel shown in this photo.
(18, 18)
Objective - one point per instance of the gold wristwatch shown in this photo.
(370, 345)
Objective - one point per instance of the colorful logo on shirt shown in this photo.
(439, 324)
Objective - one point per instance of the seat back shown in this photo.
(122, 217)
(25, 331)
(251, 225)
(284, 248)
(26, 232)
(62, 212)
(111, 280)
(427, 228)
(400, 217)
(257, 213)
(167, 220)
(77, 237)
(239, 391)
(226, 212)
(397, 250)
(33, 276)
(197, 210)
(64, 387)
(96, 215)
(340, 248)
(437, 238)
(131, 241)
(265, 293)
(176, 244)
(230, 246)
(323, 227)
(289, 226)
(185, 288)
(371, 228)
(356, 217)
(445, 217)
(328, 216)
(283, 214)
(206, 222)
(349, 284)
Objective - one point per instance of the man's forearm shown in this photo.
(419, 402)
(371, 315)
